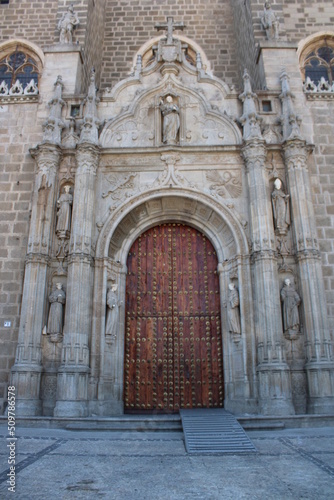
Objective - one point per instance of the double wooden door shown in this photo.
(173, 348)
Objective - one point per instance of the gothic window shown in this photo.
(317, 60)
(320, 63)
(18, 65)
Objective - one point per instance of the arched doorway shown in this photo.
(173, 346)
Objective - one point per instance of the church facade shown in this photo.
(167, 208)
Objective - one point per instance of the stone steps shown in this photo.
(172, 423)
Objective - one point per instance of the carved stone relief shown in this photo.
(233, 313)
(290, 302)
(281, 208)
(225, 184)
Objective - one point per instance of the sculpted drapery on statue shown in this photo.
(170, 120)
(233, 313)
(55, 321)
(270, 22)
(281, 208)
(112, 314)
(64, 213)
(291, 301)
(66, 25)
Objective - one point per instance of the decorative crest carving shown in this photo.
(170, 176)
(226, 184)
(169, 49)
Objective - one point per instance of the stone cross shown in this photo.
(170, 26)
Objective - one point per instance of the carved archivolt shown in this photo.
(143, 211)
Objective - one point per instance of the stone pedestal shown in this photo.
(26, 372)
(72, 390)
(67, 57)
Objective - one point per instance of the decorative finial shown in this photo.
(91, 123)
(289, 119)
(250, 120)
(54, 124)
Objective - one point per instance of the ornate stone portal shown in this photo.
(164, 147)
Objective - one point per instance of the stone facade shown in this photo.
(125, 167)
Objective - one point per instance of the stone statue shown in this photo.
(55, 320)
(171, 120)
(64, 213)
(112, 314)
(67, 24)
(291, 301)
(281, 208)
(270, 22)
(233, 313)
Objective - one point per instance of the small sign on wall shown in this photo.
(7, 324)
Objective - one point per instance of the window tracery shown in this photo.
(317, 66)
(19, 71)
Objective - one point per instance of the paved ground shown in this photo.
(60, 464)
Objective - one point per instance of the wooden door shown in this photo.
(173, 349)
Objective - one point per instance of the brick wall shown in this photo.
(303, 18)
(129, 24)
(94, 39)
(23, 19)
(245, 41)
(19, 130)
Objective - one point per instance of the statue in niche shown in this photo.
(233, 313)
(64, 212)
(170, 120)
(291, 301)
(270, 22)
(55, 321)
(112, 314)
(281, 208)
(66, 25)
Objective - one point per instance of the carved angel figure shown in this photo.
(270, 22)
(112, 313)
(233, 310)
(171, 120)
(67, 24)
(55, 321)
(281, 208)
(224, 184)
(64, 213)
(291, 301)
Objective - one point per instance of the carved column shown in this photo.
(319, 365)
(72, 396)
(72, 386)
(26, 372)
(319, 358)
(273, 372)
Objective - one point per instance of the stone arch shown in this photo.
(142, 212)
(223, 229)
(20, 44)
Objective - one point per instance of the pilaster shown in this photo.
(72, 389)
(26, 372)
(320, 364)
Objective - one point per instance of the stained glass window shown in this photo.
(320, 63)
(18, 66)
